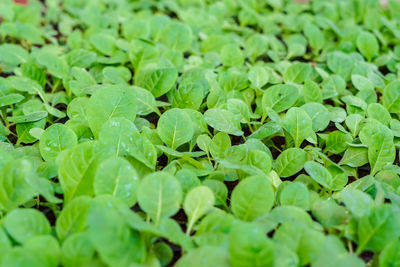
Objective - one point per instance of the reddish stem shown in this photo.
(21, 2)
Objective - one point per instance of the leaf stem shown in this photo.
(350, 246)
(55, 86)
(250, 128)
(4, 117)
(189, 229)
(277, 148)
(209, 159)
(360, 248)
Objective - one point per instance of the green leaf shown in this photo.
(290, 162)
(319, 115)
(378, 112)
(381, 150)
(146, 102)
(13, 55)
(83, 82)
(46, 246)
(256, 45)
(314, 36)
(332, 253)
(297, 45)
(367, 44)
(55, 139)
(204, 257)
(135, 28)
(231, 55)
(80, 58)
(197, 203)
(77, 250)
(110, 102)
(72, 218)
(298, 124)
(220, 144)
(104, 43)
(223, 120)
(117, 75)
(300, 238)
(329, 213)
(355, 102)
(260, 160)
(172, 152)
(319, 174)
(55, 65)
(188, 180)
(283, 214)
(19, 256)
(283, 256)
(177, 36)
(115, 242)
(391, 97)
(117, 177)
(248, 246)
(25, 84)
(312, 92)
(353, 122)
(266, 130)
(390, 255)
(220, 191)
(77, 168)
(355, 157)
(32, 117)
(163, 252)
(10, 99)
(258, 76)
(203, 142)
(297, 73)
(378, 228)
(337, 142)
(173, 232)
(23, 224)
(14, 187)
(295, 194)
(358, 202)
(77, 109)
(174, 128)
(159, 195)
(361, 83)
(123, 136)
(252, 198)
(189, 95)
(280, 97)
(340, 63)
(158, 81)
(240, 110)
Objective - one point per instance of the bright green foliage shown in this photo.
(290, 161)
(110, 102)
(367, 44)
(174, 128)
(252, 198)
(160, 195)
(298, 124)
(23, 224)
(197, 202)
(199, 133)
